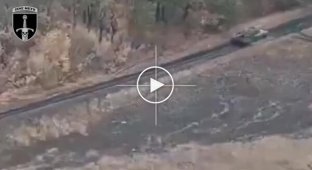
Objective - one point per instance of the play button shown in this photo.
(155, 85)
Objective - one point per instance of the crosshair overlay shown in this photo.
(152, 85)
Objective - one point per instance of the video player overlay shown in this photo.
(155, 89)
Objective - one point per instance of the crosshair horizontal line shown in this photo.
(143, 85)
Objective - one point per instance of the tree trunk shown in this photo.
(84, 17)
(100, 34)
(163, 13)
(49, 8)
(6, 22)
(101, 25)
(186, 11)
(89, 16)
(114, 26)
(74, 13)
(157, 12)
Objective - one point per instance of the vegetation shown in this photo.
(146, 14)
(107, 31)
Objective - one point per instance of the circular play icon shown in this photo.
(155, 85)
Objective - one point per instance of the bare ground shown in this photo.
(30, 93)
(269, 85)
(272, 153)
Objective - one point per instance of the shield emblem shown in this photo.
(24, 22)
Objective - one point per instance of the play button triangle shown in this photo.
(155, 85)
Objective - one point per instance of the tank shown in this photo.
(249, 36)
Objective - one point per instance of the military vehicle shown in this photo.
(249, 36)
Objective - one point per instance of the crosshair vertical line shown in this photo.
(156, 94)
(156, 113)
(155, 85)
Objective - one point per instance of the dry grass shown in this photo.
(76, 119)
(50, 127)
(270, 153)
(273, 153)
(49, 59)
